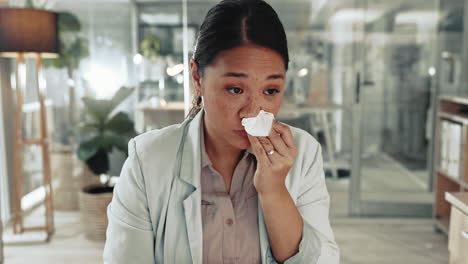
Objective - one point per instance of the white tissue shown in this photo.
(260, 125)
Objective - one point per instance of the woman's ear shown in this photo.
(195, 76)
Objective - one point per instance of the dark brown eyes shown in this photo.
(237, 90)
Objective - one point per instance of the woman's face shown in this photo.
(239, 83)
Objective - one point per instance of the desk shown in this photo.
(458, 231)
(155, 117)
(322, 111)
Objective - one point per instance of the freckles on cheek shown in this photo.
(225, 111)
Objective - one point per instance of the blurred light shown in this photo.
(174, 70)
(137, 59)
(71, 82)
(13, 80)
(432, 71)
(303, 72)
(160, 18)
(180, 79)
(447, 55)
(354, 15)
(41, 82)
(22, 75)
(417, 17)
(103, 81)
(316, 7)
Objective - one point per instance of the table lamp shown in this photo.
(29, 33)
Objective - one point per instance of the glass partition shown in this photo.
(396, 62)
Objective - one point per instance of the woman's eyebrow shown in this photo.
(243, 75)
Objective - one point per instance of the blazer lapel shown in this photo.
(190, 170)
(194, 226)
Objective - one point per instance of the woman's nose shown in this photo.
(251, 107)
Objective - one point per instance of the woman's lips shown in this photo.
(241, 133)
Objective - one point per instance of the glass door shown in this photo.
(394, 49)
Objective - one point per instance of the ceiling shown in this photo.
(295, 14)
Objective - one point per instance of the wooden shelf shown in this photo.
(459, 200)
(460, 182)
(455, 99)
(454, 109)
(443, 224)
(457, 118)
(444, 184)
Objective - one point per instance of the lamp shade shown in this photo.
(29, 31)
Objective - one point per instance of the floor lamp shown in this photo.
(29, 33)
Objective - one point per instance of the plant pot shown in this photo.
(66, 187)
(94, 200)
(87, 178)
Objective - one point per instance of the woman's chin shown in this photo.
(243, 143)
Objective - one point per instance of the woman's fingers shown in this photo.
(278, 160)
(258, 149)
(268, 148)
(285, 133)
(278, 143)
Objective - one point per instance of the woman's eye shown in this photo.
(235, 90)
(271, 91)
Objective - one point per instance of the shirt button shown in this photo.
(229, 221)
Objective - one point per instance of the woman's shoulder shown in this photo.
(156, 141)
(304, 139)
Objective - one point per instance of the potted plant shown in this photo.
(101, 133)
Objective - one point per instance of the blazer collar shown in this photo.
(190, 169)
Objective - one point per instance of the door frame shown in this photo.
(356, 205)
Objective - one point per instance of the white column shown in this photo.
(7, 124)
(4, 190)
(187, 92)
(3, 165)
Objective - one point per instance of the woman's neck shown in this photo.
(223, 156)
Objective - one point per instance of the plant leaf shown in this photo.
(29, 4)
(78, 50)
(89, 128)
(120, 124)
(98, 109)
(120, 96)
(99, 163)
(68, 22)
(89, 148)
(110, 141)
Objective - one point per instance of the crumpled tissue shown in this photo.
(260, 125)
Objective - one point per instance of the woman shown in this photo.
(205, 191)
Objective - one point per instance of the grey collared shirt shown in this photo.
(230, 220)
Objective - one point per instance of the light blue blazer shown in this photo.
(155, 213)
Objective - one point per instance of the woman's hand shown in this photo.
(275, 156)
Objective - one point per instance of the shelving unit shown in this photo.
(452, 110)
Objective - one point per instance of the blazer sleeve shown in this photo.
(318, 244)
(129, 237)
